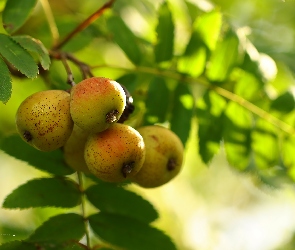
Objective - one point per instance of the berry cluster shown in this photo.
(87, 124)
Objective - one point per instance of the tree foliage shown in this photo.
(215, 81)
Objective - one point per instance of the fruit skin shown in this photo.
(73, 150)
(115, 154)
(96, 103)
(164, 156)
(43, 119)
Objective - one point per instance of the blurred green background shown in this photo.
(205, 207)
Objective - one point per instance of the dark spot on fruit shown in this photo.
(28, 136)
(111, 116)
(171, 164)
(127, 169)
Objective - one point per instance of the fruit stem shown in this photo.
(83, 207)
(70, 78)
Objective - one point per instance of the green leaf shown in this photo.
(33, 45)
(17, 245)
(125, 38)
(129, 233)
(165, 34)
(157, 102)
(59, 228)
(208, 27)
(23, 245)
(287, 154)
(54, 192)
(51, 162)
(18, 56)
(5, 82)
(265, 145)
(224, 58)
(16, 13)
(209, 114)
(113, 199)
(284, 103)
(249, 87)
(237, 126)
(182, 112)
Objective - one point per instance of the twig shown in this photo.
(70, 78)
(84, 24)
(50, 20)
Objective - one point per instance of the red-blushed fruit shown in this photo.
(73, 150)
(96, 103)
(164, 156)
(115, 154)
(44, 121)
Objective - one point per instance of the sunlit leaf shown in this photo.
(113, 199)
(208, 35)
(237, 127)
(182, 112)
(125, 38)
(157, 101)
(18, 56)
(209, 113)
(16, 13)
(165, 34)
(129, 233)
(33, 45)
(223, 58)
(265, 144)
(55, 192)
(58, 228)
(51, 162)
(5, 82)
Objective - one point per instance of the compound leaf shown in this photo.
(51, 162)
(16, 13)
(33, 45)
(165, 34)
(209, 114)
(129, 233)
(125, 38)
(113, 199)
(55, 192)
(223, 58)
(237, 126)
(182, 112)
(18, 56)
(59, 228)
(5, 82)
(157, 101)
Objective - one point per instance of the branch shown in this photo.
(84, 24)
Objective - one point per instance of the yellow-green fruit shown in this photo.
(164, 156)
(115, 154)
(73, 150)
(96, 103)
(44, 121)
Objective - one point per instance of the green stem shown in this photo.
(83, 207)
(221, 91)
(50, 20)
